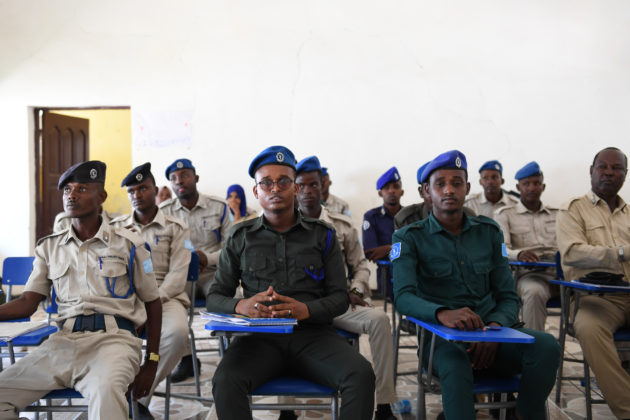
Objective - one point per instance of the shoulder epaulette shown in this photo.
(166, 203)
(52, 235)
(241, 225)
(473, 196)
(488, 221)
(134, 237)
(318, 222)
(118, 219)
(215, 198)
(175, 220)
(567, 204)
(502, 209)
(341, 217)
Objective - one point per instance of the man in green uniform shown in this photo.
(451, 269)
(290, 266)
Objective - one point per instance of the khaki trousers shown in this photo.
(596, 321)
(534, 290)
(100, 365)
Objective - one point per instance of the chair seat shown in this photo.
(622, 335)
(200, 303)
(484, 385)
(293, 386)
(347, 334)
(59, 394)
(33, 338)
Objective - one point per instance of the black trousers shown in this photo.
(317, 354)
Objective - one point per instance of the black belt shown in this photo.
(96, 322)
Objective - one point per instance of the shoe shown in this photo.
(184, 369)
(287, 415)
(143, 413)
(440, 416)
(384, 412)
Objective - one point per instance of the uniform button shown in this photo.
(461, 262)
(280, 259)
(251, 269)
(310, 267)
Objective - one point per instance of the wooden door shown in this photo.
(64, 142)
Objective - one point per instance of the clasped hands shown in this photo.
(258, 306)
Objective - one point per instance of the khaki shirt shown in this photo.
(170, 244)
(589, 236)
(336, 205)
(527, 230)
(209, 225)
(81, 271)
(482, 207)
(351, 249)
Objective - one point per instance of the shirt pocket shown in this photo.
(522, 237)
(59, 275)
(311, 267)
(437, 279)
(114, 276)
(256, 275)
(481, 281)
(595, 232)
(211, 226)
(161, 253)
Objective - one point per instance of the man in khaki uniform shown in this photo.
(102, 301)
(170, 245)
(529, 231)
(333, 203)
(208, 220)
(493, 196)
(361, 317)
(594, 235)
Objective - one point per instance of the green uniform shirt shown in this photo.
(304, 263)
(436, 269)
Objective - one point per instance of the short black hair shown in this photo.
(610, 148)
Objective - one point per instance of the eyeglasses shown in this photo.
(282, 183)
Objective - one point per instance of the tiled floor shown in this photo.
(571, 405)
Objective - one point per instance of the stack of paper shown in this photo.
(243, 320)
(10, 330)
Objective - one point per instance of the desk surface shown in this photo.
(227, 327)
(588, 287)
(504, 335)
(533, 264)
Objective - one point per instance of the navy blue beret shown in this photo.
(179, 164)
(391, 175)
(420, 171)
(324, 171)
(492, 165)
(137, 175)
(530, 169)
(273, 155)
(92, 171)
(308, 164)
(453, 159)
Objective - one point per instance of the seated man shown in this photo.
(333, 203)
(449, 269)
(493, 197)
(361, 317)
(96, 350)
(290, 266)
(378, 223)
(529, 230)
(169, 239)
(594, 235)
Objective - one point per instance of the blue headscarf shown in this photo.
(241, 194)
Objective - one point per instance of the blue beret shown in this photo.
(530, 169)
(92, 171)
(308, 164)
(420, 171)
(492, 165)
(179, 164)
(137, 175)
(273, 155)
(453, 159)
(391, 175)
(324, 171)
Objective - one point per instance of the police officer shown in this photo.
(170, 244)
(361, 317)
(331, 201)
(208, 220)
(449, 269)
(378, 223)
(106, 289)
(529, 230)
(493, 196)
(290, 266)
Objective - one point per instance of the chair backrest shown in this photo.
(15, 272)
(193, 276)
(559, 272)
(193, 267)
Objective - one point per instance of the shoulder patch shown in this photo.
(52, 235)
(366, 225)
(133, 237)
(395, 251)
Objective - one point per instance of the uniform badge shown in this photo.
(147, 265)
(504, 250)
(93, 173)
(180, 164)
(189, 245)
(279, 157)
(458, 162)
(395, 252)
(497, 167)
(139, 177)
(366, 225)
(396, 177)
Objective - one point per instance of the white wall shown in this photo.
(363, 84)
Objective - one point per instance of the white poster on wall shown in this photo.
(162, 128)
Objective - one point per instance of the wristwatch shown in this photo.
(357, 292)
(622, 257)
(153, 357)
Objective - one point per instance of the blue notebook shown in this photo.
(237, 319)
